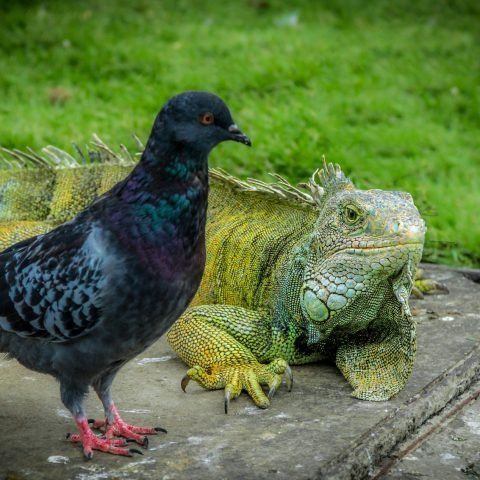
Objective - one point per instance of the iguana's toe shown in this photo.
(273, 388)
(424, 285)
(232, 390)
(248, 377)
(289, 375)
(277, 379)
(429, 286)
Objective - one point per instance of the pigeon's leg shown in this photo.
(114, 425)
(72, 398)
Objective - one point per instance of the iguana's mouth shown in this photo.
(367, 249)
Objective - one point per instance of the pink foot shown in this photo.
(121, 429)
(91, 442)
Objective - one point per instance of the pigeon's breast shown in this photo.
(166, 233)
(144, 291)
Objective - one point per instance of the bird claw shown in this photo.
(131, 451)
(91, 442)
(97, 424)
(119, 428)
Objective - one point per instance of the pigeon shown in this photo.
(82, 300)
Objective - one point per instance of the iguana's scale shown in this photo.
(262, 303)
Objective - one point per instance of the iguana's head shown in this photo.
(365, 246)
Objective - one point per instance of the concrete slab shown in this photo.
(316, 431)
(446, 447)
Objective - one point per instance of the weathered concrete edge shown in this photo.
(428, 429)
(362, 455)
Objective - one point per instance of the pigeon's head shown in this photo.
(198, 121)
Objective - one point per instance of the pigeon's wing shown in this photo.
(50, 285)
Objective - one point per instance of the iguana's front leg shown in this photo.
(378, 368)
(224, 345)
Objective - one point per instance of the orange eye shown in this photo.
(207, 118)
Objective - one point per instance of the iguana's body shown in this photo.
(285, 282)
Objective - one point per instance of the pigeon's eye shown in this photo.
(207, 118)
(351, 214)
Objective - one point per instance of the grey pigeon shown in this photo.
(82, 300)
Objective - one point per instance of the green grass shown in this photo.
(390, 90)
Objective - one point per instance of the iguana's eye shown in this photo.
(207, 118)
(351, 214)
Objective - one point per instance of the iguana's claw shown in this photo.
(227, 400)
(273, 389)
(277, 381)
(289, 375)
(248, 377)
(417, 293)
(185, 381)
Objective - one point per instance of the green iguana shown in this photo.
(293, 275)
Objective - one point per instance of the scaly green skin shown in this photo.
(292, 276)
(39, 192)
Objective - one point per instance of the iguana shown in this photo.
(293, 275)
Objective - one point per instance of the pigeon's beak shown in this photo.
(238, 136)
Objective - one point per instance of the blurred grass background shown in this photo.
(390, 90)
